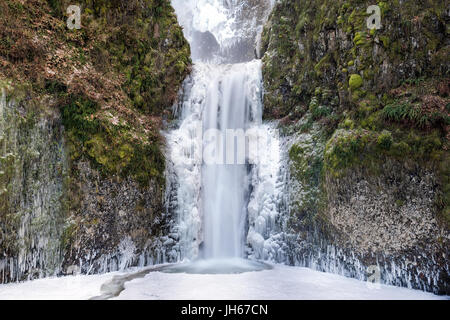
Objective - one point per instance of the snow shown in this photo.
(206, 15)
(279, 283)
(266, 200)
(80, 287)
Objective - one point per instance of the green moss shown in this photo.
(68, 234)
(111, 148)
(318, 111)
(346, 148)
(306, 163)
(349, 124)
(78, 117)
(385, 140)
(323, 64)
(355, 82)
(150, 48)
(357, 94)
(384, 7)
(359, 38)
(399, 203)
(385, 40)
(400, 149)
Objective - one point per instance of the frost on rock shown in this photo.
(267, 204)
(127, 252)
(32, 169)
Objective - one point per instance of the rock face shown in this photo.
(368, 123)
(318, 44)
(82, 166)
(390, 212)
(117, 223)
(206, 45)
(32, 168)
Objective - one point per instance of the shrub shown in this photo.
(384, 140)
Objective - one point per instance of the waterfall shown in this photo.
(224, 196)
(232, 102)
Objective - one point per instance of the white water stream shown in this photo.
(221, 205)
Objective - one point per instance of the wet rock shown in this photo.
(206, 45)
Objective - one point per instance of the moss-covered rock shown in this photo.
(355, 81)
(385, 108)
(113, 79)
(330, 42)
(103, 90)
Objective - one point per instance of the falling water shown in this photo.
(225, 187)
(210, 200)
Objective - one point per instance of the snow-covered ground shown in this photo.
(79, 287)
(281, 282)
